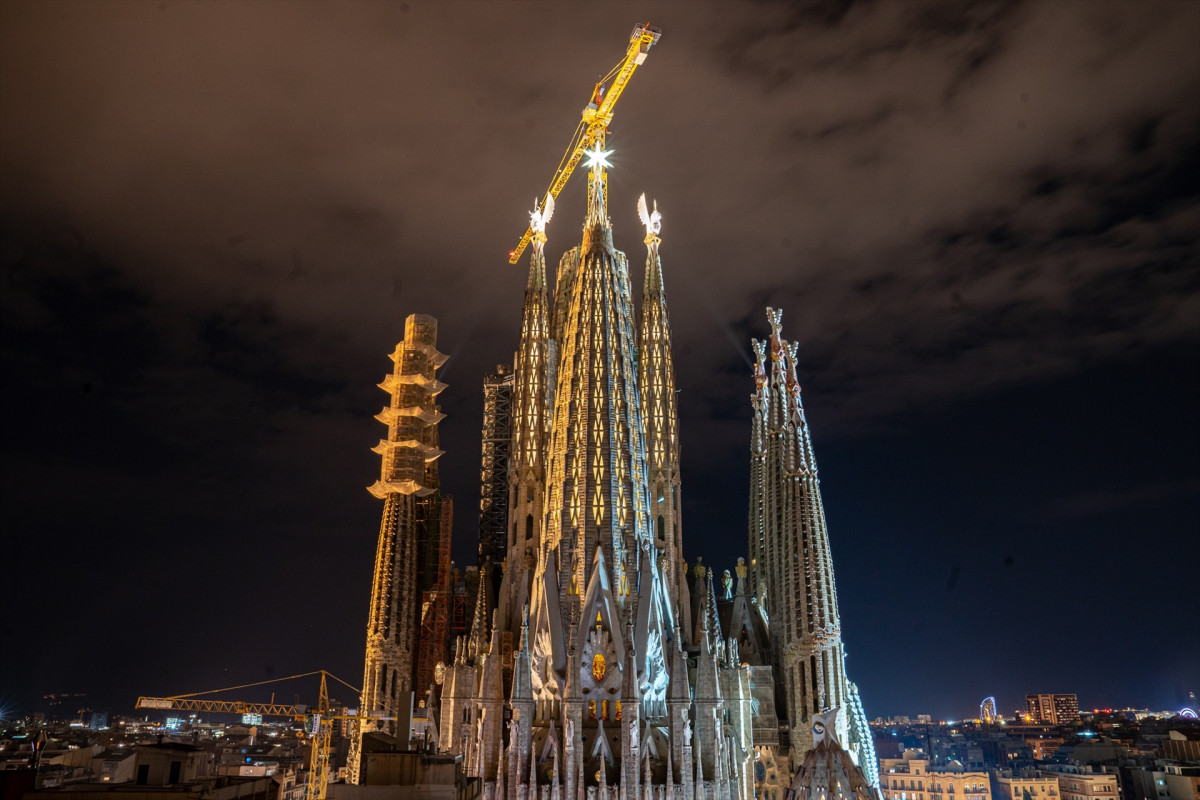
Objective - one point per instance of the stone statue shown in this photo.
(727, 583)
(633, 734)
(699, 571)
(652, 220)
(540, 216)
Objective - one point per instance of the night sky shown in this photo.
(981, 222)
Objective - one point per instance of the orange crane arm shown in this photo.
(596, 116)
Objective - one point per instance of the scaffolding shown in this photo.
(435, 603)
(493, 471)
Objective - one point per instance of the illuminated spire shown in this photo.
(408, 485)
(530, 405)
(656, 379)
(787, 519)
(597, 492)
(597, 160)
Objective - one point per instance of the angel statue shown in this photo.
(651, 219)
(539, 217)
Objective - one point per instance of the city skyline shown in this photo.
(980, 223)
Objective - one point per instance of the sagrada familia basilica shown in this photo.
(599, 664)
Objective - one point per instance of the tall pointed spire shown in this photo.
(598, 187)
(408, 485)
(530, 405)
(478, 634)
(597, 494)
(787, 519)
(656, 379)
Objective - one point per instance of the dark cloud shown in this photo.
(977, 218)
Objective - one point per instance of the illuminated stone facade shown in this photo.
(827, 771)
(591, 677)
(410, 530)
(599, 665)
(790, 563)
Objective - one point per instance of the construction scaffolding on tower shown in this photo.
(493, 469)
(435, 604)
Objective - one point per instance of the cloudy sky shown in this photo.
(981, 221)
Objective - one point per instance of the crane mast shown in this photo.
(593, 124)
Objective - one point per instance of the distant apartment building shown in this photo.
(1182, 782)
(1055, 709)
(1179, 746)
(910, 778)
(1081, 785)
(1042, 749)
(1040, 788)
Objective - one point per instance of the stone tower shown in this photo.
(789, 547)
(582, 686)
(408, 486)
(526, 480)
(656, 378)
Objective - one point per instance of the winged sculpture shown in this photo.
(539, 217)
(651, 219)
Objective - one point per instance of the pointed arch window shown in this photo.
(662, 528)
(528, 527)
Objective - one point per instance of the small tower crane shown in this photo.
(593, 125)
(318, 722)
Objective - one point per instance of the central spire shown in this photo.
(597, 160)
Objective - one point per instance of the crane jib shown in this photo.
(597, 117)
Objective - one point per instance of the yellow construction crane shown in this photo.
(593, 125)
(318, 723)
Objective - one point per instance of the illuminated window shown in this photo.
(599, 668)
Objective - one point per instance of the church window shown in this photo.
(618, 702)
(599, 668)
(604, 710)
(591, 709)
(528, 527)
(662, 525)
